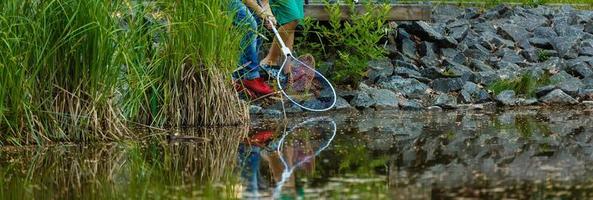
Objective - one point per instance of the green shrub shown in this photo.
(351, 43)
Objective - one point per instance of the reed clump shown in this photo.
(59, 72)
(78, 70)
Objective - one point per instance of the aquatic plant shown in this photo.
(59, 72)
(192, 84)
(76, 70)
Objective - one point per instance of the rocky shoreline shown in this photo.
(540, 56)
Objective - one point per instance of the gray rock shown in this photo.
(272, 113)
(342, 104)
(589, 27)
(447, 85)
(422, 30)
(434, 109)
(588, 82)
(498, 12)
(470, 13)
(542, 43)
(566, 47)
(472, 93)
(580, 69)
(292, 108)
(379, 69)
(406, 72)
(531, 55)
(477, 52)
(447, 42)
(558, 97)
(544, 32)
(505, 65)
(567, 82)
(458, 70)
(586, 94)
(383, 98)
(409, 87)
(542, 91)
(254, 110)
(445, 101)
(507, 98)
(362, 100)
(527, 102)
(459, 33)
(454, 55)
(432, 72)
(511, 56)
(586, 51)
(513, 32)
(480, 66)
(410, 104)
(427, 49)
(429, 61)
(409, 65)
(566, 30)
(406, 45)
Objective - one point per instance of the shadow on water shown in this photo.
(518, 154)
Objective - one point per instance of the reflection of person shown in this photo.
(261, 147)
(248, 74)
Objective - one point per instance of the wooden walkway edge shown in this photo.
(398, 12)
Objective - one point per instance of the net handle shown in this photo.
(285, 49)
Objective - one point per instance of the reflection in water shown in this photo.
(296, 148)
(188, 165)
(523, 154)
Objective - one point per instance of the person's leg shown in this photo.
(249, 61)
(248, 72)
(287, 33)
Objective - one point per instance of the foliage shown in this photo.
(523, 85)
(352, 42)
(76, 70)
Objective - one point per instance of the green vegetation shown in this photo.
(351, 43)
(183, 169)
(523, 85)
(76, 70)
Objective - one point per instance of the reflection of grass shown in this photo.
(524, 85)
(528, 125)
(134, 170)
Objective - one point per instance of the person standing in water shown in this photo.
(247, 76)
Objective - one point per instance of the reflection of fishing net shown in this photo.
(304, 86)
(298, 147)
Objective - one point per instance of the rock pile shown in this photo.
(463, 52)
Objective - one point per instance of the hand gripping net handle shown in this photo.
(287, 54)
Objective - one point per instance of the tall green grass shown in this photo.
(78, 70)
(59, 70)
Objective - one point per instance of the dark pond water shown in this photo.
(520, 154)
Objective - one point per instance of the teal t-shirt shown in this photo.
(287, 11)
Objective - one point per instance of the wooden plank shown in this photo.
(398, 12)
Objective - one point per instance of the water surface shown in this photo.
(522, 154)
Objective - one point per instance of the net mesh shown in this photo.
(305, 86)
